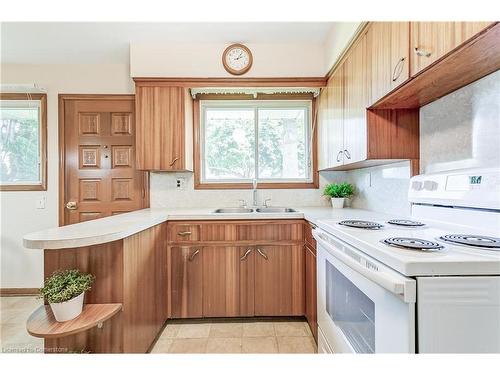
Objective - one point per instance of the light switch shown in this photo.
(180, 183)
(40, 203)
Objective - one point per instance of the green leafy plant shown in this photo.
(64, 285)
(343, 190)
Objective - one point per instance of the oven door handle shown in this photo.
(403, 287)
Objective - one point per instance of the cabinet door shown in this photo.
(323, 129)
(400, 53)
(356, 101)
(279, 280)
(162, 114)
(335, 118)
(186, 273)
(223, 293)
(311, 297)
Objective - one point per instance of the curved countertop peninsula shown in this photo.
(117, 227)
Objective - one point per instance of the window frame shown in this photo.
(42, 185)
(311, 148)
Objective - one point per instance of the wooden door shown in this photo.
(221, 281)
(356, 87)
(279, 280)
(311, 291)
(388, 61)
(335, 118)
(186, 280)
(98, 145)
(162, 116)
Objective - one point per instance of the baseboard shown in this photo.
(11, 292)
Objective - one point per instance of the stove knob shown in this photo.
(416, 185)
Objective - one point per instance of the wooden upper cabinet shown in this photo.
(356, 100)
(432, 40)
(164, 128)
(388, 60)
(279, 280)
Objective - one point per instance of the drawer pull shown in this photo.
(422, 53)
(262, 254)
(173, 161)
(192, 256)
(184, 234)
(398, 69)
(246, 254)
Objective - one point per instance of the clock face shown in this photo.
(237, 59)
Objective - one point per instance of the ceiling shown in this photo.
(108, 42)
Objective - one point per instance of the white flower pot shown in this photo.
(338, 202)
(68, 310)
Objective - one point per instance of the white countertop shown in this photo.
(116, 227)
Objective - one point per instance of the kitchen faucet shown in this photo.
(254, 184)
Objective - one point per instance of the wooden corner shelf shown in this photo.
(42, 323)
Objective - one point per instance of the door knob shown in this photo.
(71, 205)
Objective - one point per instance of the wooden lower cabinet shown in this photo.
(311, 291)
(279, 280)
(186, 280)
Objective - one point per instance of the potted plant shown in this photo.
(64, 291)
(338, 193)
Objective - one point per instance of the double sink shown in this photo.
(244, 210)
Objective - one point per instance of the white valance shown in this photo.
(254, 90)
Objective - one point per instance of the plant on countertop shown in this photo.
(342, 190)
(62, 286)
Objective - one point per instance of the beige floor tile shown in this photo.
(162, 346)
(170, 331)
(224, 345)
(180, 346)
(296, 345)
(226, 330)
(291, 329)
(258, 329)
(193, 330)
(259, 345)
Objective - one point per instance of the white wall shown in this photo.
(339, 36)
(23, 268)
(205, 60)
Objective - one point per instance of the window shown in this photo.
(267, 140)
(23, 128)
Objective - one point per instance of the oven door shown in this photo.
(363, 305)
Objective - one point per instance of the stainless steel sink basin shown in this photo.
(233, 210)
(274, 210)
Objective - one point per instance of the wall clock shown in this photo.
(237, 59)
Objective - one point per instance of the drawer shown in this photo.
(184, 232)
(270, 232)
(309, 239)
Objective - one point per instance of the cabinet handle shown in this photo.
(192, 256)
(263, 254)
(347, 154)
(173, 162)
(184, 234)
(246, 254)
(422, 53)
(398, 69)
(338, 156)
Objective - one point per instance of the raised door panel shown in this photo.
(356, 102)
(432, 40)
(311, 291)
(186, 280)
(221, 284)
(279, 280)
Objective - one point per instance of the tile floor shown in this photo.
(216, 336)
(236, 336)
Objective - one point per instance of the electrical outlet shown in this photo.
(40, 203)
(180, 183)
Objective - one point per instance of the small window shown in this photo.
(23, 132)
(266, 140)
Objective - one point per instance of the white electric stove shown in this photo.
(429, 283)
